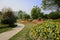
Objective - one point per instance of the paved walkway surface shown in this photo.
(9, 34)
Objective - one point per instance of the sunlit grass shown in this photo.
(4, 28)
(23, 34)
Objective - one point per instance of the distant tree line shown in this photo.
(7, 15)
(23, 15)
(37, 14)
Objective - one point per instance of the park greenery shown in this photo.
(36, 13)
(48, 30)
(23, 15)
(7, 20)
(8, 17)
(51, 4)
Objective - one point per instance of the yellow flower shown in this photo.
(33, 34)
(57, 38)
(45, 37)
(50, 30)
(57, 31)
(45, 30)
(57, 27)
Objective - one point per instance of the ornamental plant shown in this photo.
(48, 30)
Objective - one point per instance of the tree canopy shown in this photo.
(23, 15)
(8, 17)
(36, 12)
(0, 13)
(51, 4)
(54, 15)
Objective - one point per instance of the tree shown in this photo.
(0, 13)
(54, 15)
(8, 17)
(46, 16)
(20, 13)
(51, 4)
(23, 15)
(0, 16)
(36, 13)
(26, 16)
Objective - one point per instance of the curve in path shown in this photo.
(9, 34)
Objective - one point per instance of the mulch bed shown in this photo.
(33, 21)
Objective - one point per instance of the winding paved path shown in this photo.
(9, 34)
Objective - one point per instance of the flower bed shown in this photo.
(48, 30)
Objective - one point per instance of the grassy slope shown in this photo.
(22, 34)
(4, 28)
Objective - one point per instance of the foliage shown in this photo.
(54, 15)
(51, 4)
(48, 30)
(23, 16)
(36, 13)
(46, 16)
(20, 13)
(0, 16)
(26, 16)
(8, 17)
(0, 13)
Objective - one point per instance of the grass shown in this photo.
(4, 28)
(22, 35)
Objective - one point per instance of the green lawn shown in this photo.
(4, 28)
(22, 35)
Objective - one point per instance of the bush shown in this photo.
(48, 30)
(8, 18)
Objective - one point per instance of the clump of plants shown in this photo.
(48, 30)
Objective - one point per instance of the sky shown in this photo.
(24, 5)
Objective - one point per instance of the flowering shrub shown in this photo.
(48, 30)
